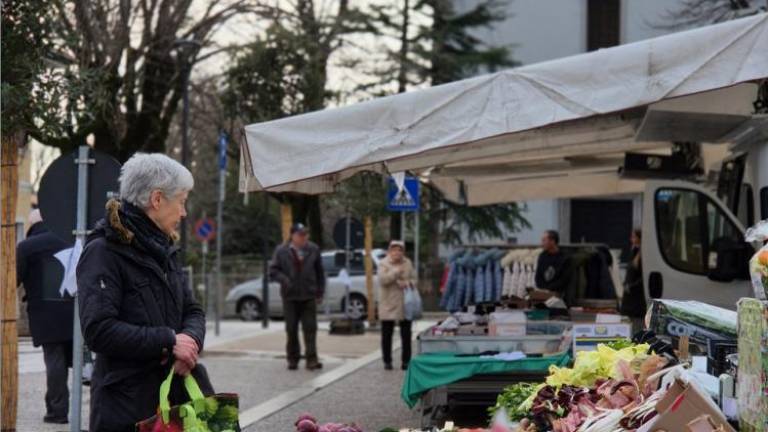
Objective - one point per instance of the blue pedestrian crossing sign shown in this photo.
(405, 200)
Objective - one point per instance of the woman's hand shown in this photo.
(181, 368)
(185, 351)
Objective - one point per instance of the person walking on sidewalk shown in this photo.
(298, 268)
(395, 275)
(137, 312)
(51, 313)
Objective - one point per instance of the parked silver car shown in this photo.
(245, 300)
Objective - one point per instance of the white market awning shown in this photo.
(567, 119)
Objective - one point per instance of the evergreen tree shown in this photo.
(286, 73)
(431, 44)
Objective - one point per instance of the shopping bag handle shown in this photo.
(193, 390)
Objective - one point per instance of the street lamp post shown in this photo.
(185, 50)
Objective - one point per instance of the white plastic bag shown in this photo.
(758, 265)
(412, 304)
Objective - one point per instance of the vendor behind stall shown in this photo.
(552, 269)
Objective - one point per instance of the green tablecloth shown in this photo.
(427, 371)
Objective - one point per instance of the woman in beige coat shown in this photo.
(395, 275)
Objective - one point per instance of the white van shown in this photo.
(693, 242)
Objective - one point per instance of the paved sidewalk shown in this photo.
(369, 397)
(256, 380)
(250, 361)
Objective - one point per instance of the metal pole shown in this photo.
(77, 335)
(185, 150)
(402, 227)
(265, 270)
(347, 253)
(206, 291)
(416, 245)
(220, 231)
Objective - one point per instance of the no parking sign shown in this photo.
(205, 229)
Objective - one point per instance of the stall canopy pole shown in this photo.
(416, 245)
(348, 257)
(402, 227)
(286, 218)
(369, 270)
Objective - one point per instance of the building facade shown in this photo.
(537, 31)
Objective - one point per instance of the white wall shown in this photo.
(541, 30)
(537, 30)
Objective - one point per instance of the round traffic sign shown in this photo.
(58, 192)
(205, 229)
(356, 233)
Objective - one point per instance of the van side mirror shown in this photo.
(729, 260)
(655, 285)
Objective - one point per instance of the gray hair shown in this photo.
(147, 172)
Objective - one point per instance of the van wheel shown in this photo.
(358, 306)
(249, 309)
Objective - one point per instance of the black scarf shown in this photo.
(147, 236)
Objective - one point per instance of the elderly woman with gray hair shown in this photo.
(137, 313)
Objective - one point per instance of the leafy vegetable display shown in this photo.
(611, 389)
(591, 366)
(511, 400)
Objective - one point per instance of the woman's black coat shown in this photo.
(133, 301)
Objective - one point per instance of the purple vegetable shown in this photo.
(306, 425)
(305, 416)
(333, 427)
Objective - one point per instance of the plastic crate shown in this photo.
(717, 356)
(537, 314)
(542, 337)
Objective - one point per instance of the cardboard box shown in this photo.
(704, 423)
(507, 323)
(508, 330)
(595, 330)
(586, 336)
(683, 404)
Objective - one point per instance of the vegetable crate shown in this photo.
(542, 337)
(467, 401)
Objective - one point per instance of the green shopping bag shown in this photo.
(217, 413)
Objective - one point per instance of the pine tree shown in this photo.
(432, 44)
(286, 73)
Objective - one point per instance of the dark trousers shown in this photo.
(304, 312)
(58, 360)
(387, 329)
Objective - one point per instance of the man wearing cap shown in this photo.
(298, 268)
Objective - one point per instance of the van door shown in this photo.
(693, 248)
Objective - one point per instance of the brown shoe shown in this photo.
(314, 365)
(293, 366)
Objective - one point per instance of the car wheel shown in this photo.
(358, 306)
(249, 309)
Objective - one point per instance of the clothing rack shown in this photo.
(482, 273)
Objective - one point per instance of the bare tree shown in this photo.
(298, 45)
(695, 13)
(123, 65)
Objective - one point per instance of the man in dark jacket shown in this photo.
(298, 268)
(137, 312)
(50, 312)
(552, 266)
